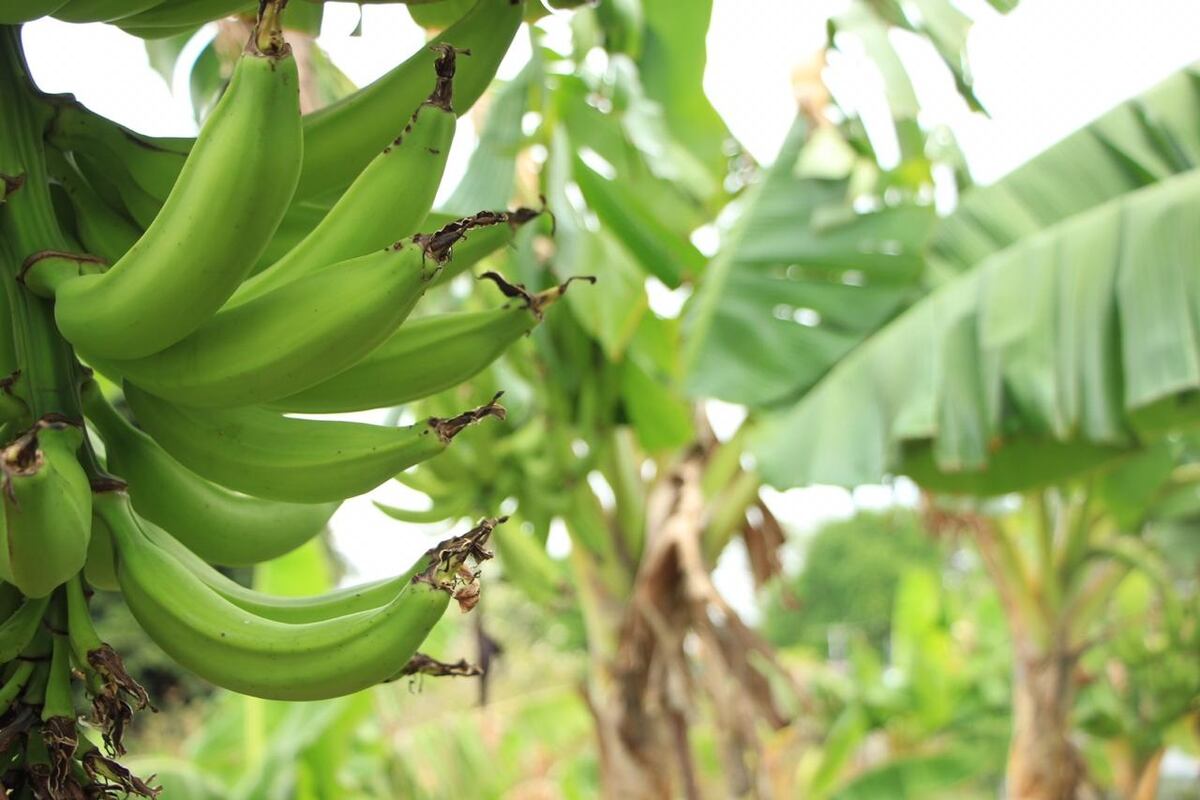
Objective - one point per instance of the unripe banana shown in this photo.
(47, 516)
(527, 565)
(463, 242)
(233, 190)
(10, 599)
(244, 652)
(219, 526)
(450, 509)
(118, 190)
(12, 688)
(47, 269)
(151, 163)
(18, 630)
(16, 12)
(269, 455)
(181, 13)
(386, 202)
(300, 218)
(291, 338)
(340, 139)
(100, 569)
(151, 33)
(102, 230)
(102, 10)
(329, 605)
(425, 356)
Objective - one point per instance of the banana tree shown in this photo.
(602, 441)
(1053, 344)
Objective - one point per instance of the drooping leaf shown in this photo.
(441, 15)
(1142, 140)
(1071, 329)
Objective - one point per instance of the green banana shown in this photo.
(300, 218)
(16, 13)
(46, 269)
(10, 599)
(436, 16)
(340, 139)
(102, 10)
(152, 164)
(47, 508)
(100, 569)
(387, 201)
(451, 509)
(527, 565)
(267, 454)
(18, 630)
(159, 32)
(426, 356)
(233, 190)
(102, 230)
(329, 605)
(58, 724)
(132, 174)
(58, 691)
(183, 13)
(247, 653)
(420, 480)
(220, 526)
(12, 688)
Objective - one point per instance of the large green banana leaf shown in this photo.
(799, 280)
(1070, 336)
(1140, 142)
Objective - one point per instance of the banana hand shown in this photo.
(244, 652)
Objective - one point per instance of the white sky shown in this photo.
(1042, 71)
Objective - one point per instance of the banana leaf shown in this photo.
(800, 279)
(1072, 338)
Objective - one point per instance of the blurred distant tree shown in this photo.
(851, 570)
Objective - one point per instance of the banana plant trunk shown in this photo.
(1043, 763)
(668, 647)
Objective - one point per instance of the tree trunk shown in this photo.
(1043, 763)
(1147, 785)
(645, 692)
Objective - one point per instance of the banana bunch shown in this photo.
(168, 305)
